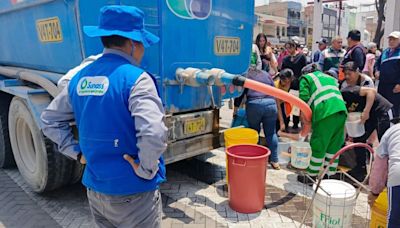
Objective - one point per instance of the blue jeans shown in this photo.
(264, 111)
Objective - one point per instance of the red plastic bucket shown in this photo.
(247, 167)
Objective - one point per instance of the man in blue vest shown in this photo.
(119, 115)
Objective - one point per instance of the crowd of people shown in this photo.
(333, 82)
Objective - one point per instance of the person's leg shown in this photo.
(269, 122)
(319, 144)
(254, 113)
(360, 170)
(296, 121)
(97, 210)
(394, 207)
(336, 142)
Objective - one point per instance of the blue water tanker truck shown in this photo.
(204, 43)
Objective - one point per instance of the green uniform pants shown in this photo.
(327, 139)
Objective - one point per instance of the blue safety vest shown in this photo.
(99, 95)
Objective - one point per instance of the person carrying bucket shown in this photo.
(375, 115)
(386, 172)
(322, 94)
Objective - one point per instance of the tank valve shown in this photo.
(194, 77)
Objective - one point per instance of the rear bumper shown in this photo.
(187, 148)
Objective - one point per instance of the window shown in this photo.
(283, 31)
(278, 31)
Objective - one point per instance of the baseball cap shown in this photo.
(322, 41)
(395, 34)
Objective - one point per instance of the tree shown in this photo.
(380, 30)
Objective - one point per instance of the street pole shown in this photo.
(340, 17)
(317, 25)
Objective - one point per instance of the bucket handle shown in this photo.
(234, 162)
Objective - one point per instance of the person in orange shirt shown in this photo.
(284, 82)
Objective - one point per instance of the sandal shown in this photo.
(275, 166)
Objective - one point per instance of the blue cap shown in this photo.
(125, 21)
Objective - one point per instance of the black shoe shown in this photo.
(306, 180)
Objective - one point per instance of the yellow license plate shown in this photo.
(49, 30)
(194, 126)
(226, 45)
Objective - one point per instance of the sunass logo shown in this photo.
(92, 86)
(191, 9)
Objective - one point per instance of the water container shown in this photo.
(333, 204)
(354, 127)
(247, 172)
(301, 154)
(379, 211)
(283, 150)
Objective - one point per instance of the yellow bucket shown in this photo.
(379, 211)
(237, 136)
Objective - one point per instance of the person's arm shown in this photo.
(370, 94)
(146, 108)
(56, 119)
(371, 63)
(379, 171)
(280, 115)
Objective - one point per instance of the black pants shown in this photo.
(381, 124)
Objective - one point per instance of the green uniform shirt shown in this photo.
(322, 94)
(331, 58)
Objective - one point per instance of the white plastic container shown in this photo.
(354, 127)
(333, 205)
(301, 154)
(283, 150)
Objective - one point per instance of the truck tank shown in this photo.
(42, 39)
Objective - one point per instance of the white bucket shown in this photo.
(354, 127)
(301, 155)
(353, 116)
(333, 205)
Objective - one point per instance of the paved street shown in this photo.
(195, 195)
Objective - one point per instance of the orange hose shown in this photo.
(282, 95)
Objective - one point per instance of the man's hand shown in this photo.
(364, 117)
(371, 199)
(82, 160)
(396, 89)
(131, 161)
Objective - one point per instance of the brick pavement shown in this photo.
(194, 196)
(18, 210)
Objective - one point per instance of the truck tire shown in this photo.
(6, 155)
(37, 158)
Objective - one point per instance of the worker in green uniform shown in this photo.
(322, 94)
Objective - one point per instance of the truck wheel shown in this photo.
(77, 172)
(37, 158)
(6, 156)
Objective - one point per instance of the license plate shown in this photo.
(49, 30)
(194, 126)
(226, 45)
